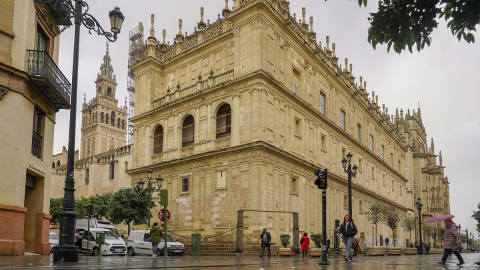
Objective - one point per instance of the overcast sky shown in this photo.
(443, 78)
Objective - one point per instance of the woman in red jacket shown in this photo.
(304, 242)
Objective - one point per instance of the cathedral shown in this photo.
(237, 116)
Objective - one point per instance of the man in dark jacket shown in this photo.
(348, 231)
(266, 239)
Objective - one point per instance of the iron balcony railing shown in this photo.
(37, 145)
(48, 78)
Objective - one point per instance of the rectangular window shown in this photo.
(322, 103)
(342, 119)
(294, 187)
(87, 176)
(37, 139)
(294, 88)
(185, 187)
(371, 142)
(391, 160)
(112, 170)
(359, 133)
(298, 127)
(383, 153)
(221, 179)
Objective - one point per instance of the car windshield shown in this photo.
(109, 235)
(170, 238)
(54, 236)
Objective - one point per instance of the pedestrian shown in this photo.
(78, 239)
(266, 239)
(348, 231)
(387, 241)
(356, 247)
(304, 243)
(452, 241)
(328, 243)
(156, 237)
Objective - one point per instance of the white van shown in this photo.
(113, 244)
(83, 223)
(139, 243)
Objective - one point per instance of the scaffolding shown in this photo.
(135, 48)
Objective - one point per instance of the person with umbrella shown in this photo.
(452, 242)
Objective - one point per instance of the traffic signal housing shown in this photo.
(321, 180)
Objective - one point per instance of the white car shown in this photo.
(53, 240)
(139, 243)
(114, 245)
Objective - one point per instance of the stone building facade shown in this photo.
(238, 115)
(32, 90)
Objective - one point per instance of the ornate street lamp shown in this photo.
(67, 251)
(419, 207)
(150, 187)
(352, 172)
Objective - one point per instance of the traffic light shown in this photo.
(321, 181)
(337, 223)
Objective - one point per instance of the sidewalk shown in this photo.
(237, 262)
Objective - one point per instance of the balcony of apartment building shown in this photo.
(48, 79)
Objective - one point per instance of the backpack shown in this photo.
(301, 240)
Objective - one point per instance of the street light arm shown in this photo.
(67, 8)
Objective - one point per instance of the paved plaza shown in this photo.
(238, 262)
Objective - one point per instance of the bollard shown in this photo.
(196, 244)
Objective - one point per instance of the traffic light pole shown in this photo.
(324, 260)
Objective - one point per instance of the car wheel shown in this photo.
(131, 252)
(160, 252)
(95, 251)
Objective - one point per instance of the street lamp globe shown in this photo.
(344, 163)
(149, 173)
(159, 181)
(349, 157)
(116, 20)
(354, 169)
(140, 184)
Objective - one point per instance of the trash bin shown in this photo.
(196, 243)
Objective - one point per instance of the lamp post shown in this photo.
(419, 207)
(352, 172)
(150, 188)
(466, 232)
(66, 251)
(163, 201)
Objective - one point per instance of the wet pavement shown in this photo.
(294, 262)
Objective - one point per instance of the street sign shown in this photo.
(161, 215)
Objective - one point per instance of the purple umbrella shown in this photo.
(439, 218)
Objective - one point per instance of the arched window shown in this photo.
(106, 118)
(53, 164)
(123, 124)
(158, 140)
(113, 119)
(101, 117)
(224, 121)
(188, 131)
(109, 92)
(58, 163)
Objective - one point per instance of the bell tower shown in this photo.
(104, 123)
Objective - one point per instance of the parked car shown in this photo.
(82, 224)
(113, 244)
(139, 243)
(53, 240)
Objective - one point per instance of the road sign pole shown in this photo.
(165, 216)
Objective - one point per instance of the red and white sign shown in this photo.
(161, 215)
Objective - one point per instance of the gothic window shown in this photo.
(109, 92)
(101, 117)
(123, 124)
(53, 164)
(113, 119)
(106, 118)
(224, 121)
(188, 131)
(158, 140)
(58, 162)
